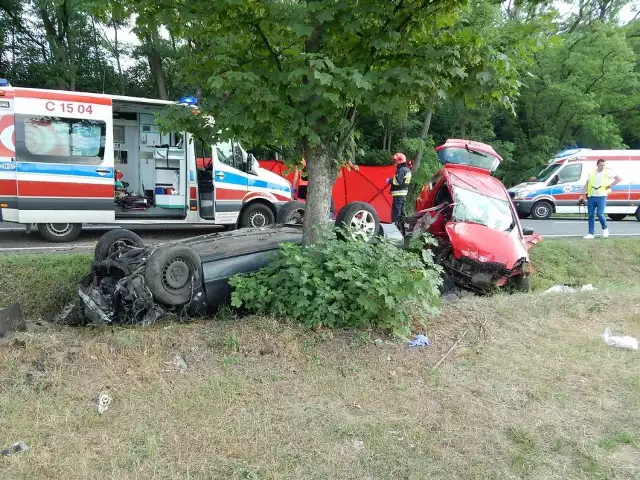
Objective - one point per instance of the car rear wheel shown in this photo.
(60, 232)
(360, 219)
(542, 210)
(617, 217)
(256, 216)
(291, 212)
(111, 241)
(173, 274)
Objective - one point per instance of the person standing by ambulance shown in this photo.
(596, 190)
(399, 186)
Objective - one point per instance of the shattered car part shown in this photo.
(119, 289)
(11, 320)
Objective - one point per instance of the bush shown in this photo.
(343, 283)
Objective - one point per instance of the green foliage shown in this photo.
(343, 283)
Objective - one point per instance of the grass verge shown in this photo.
(535, 395)
(605, 263)
(42, 284)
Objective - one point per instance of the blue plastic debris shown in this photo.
(419, 341)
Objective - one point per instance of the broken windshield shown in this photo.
(471, 206)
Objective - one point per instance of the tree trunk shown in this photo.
(322, 173)
(151, 40)
(116, 53)
(423, 134)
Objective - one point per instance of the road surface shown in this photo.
(14, 240)
(573, 227)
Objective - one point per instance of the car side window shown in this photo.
(570, 174)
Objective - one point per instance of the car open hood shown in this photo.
(485, 244)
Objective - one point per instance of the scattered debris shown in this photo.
(11, 320)
(379, 342)
(450, 298)
(179, 363)
(442, 359)
(619, 341)
(358, 445)
(570, 289)
(15, 448)
(104, 401)
(419, 341)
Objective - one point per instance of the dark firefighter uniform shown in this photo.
(399, 186)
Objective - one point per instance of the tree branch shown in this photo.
(268, 45)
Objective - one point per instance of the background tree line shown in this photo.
(514, 74)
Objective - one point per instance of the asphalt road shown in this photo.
(14, 239)
(575, 227)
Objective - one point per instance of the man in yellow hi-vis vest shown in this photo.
(399, 186)
(596, 190)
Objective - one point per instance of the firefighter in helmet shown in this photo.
(399, 186)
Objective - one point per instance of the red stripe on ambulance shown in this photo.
(66, 190)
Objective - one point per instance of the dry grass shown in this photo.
(534, 394)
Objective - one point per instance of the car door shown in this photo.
(64, 157)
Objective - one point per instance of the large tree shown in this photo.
(301, 73)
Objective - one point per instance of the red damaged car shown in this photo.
(481, 244)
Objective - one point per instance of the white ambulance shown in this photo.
(69, 158)
(558, 187)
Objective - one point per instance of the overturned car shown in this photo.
(480, 241)
(130, 283)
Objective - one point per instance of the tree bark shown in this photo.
(423, 134)
(116, 53)
(322, 173)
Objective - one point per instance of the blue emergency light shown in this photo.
(4, 82)
(188, 100)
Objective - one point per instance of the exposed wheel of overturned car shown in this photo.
(172, 274)
(113, 240)
(291, 212)
(360, 219)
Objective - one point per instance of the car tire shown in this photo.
(448, 284)
(617, 217)
(291, 212)
(524, 215)
(521, 283)
(542, 210)
(257, 215)
(361, 219)
(60, 232)
(169, 272)
(110, 241)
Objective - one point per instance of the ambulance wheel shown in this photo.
(60, 232)
(291, 212)
(173, 274)
(257, 215)
(617, 217)
(638, 214)
(111, 241)
(542, 210)
(360, 219)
